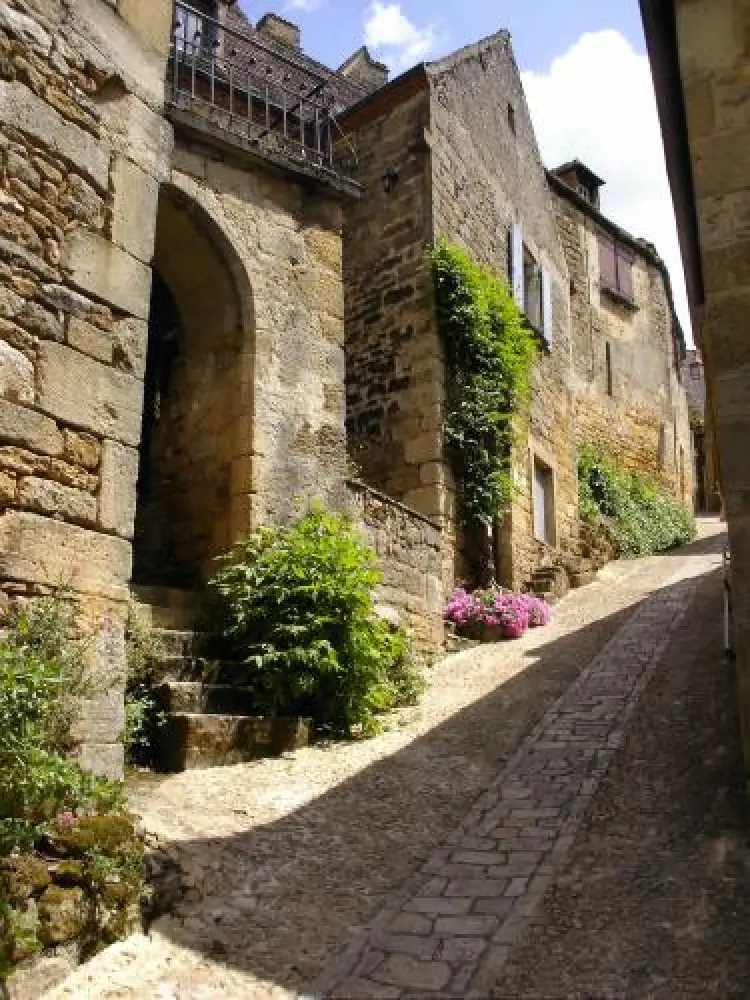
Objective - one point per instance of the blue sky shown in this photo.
(585, 73)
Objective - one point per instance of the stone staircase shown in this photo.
(208, 724)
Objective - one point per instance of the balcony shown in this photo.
(235, 89)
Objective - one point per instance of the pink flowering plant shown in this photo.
(496, 613)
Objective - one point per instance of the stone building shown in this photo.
(627, 343)
(448, 149)
(701, 68)
(706, 482)
(175, 184)
(437, 158)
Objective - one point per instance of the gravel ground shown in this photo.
(286, 858)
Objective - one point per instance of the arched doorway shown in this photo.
(197, 401)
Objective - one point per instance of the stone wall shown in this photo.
(714, 66)
(83, 147)
(409, 550)
(629, 397)
(487, 175)
(281, 246)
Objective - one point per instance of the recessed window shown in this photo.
(532, 289)
(512, 118)
(695, 370)
(544, 502)
(616, 269)
(608, 361)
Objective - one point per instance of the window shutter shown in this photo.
(546, 307)
(607, 263)
(516, 260)
(625, 273)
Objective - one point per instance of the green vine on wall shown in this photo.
(490, 353)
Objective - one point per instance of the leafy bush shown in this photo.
(642, 518)
(143, 717)
(490, 353)
(297, 607)
(41, 679)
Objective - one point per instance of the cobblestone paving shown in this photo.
(286, 860)
(451, 929)
(653, 902)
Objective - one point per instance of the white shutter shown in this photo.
(516, 264)
(546, 307)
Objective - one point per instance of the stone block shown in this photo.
(141, 134)
(46, 497)
(105, 759)
(16, 375)
(414, 974)
(136, 195)
(87, 394)
(36, 549)
(20, 108)
(130, 345)
(117, 497)
(151, 22)
(90, 340)
(190, 741)
(104, 271)
(22, 426)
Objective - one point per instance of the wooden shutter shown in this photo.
(607, 263)
(546, 307)
(516, 264)
(625, 273)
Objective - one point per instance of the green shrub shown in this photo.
(297, 606)
(143, 717)
(490, 353)
(41, 680)
(642, 517)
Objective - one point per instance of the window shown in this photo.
(532, 289)
(512, 118)
(531, 285)
(608, 359)
(616, 269)
(583, 191)
(695, 370)
(544, 502)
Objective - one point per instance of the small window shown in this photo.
(608, 359)
(583, 192)
(695, 370)
(532, 289)
(512, 118)
(616, 269)
(544, 502)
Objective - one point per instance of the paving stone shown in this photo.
(413, 974)
(471, 925)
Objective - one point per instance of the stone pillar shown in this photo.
(84, 146)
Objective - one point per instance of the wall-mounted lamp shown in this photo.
(389, 180)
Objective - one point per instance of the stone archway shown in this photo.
(196, 451)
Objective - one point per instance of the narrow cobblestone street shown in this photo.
(561, 818)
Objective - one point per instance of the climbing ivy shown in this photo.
(490, 353)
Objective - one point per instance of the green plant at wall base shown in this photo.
(42, 678)
(297, 606)
(490, 354)
(143, 716)
(642, 518)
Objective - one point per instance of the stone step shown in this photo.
(165, 597)
(199, 698)
(582, 579)
(190, 741)
(174, 619)
(182, 642)
(188, 669)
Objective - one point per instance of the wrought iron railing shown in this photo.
(270, 101)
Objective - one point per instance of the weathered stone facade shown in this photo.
(81, 104)
(706, 488)
(700, 63)
(409, 550)
(627, 351)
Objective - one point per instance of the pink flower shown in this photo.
(66, 819)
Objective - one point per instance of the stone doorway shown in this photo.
(193, 486)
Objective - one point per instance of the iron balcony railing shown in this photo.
(237, 83)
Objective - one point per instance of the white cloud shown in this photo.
(395, 39)
(596, 103)
(305, 5)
